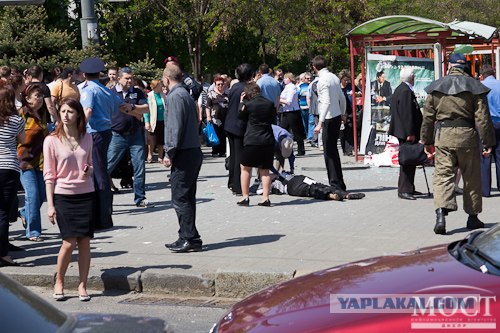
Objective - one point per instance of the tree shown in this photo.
(194, 20)
(24, 40)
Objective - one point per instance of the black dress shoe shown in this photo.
(266, 203)
(245, 202)
(174, 244)
(5, 263)
(188, 246)
(406, 196)
(14, 248)
(417, 193)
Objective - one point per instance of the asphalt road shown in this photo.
(182, 319)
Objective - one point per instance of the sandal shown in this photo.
(23, 220)
(36, 239)
(59, 296)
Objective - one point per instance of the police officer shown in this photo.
(99, 104)
(455, 110)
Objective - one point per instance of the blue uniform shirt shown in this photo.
(103, 103)
(270, 88)
(493, 97)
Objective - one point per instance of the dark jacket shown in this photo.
(259, 113)
(406, 118)
(385, 91)
(233, 124)
(124, 123)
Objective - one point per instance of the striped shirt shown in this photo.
(8, 142)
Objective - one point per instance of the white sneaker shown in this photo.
(145, 204)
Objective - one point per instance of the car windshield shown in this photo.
(489, 242)
(480, 250)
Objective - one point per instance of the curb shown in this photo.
(221, 284)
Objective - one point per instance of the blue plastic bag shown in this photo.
(211, 138)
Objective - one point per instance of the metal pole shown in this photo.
(88, 23)
(353, 102)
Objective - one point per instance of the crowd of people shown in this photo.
(64, 139)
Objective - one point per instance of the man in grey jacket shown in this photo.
(184, 156)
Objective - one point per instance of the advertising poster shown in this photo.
(382, 78)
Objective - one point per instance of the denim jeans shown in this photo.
(310, 128)
(308, 120)
(134, 142)
(34, 196)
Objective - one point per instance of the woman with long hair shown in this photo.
(258, 141)
(153, 121)
(11, 133)
(67, 171)
(30, 154)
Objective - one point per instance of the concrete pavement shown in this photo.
(246, 248)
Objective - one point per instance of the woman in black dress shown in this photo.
(258, 141)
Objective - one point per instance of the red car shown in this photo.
(436, 289)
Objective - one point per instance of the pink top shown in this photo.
(64, 167)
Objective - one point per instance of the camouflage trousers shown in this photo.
(447, 160)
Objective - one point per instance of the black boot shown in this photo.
(440, 227)
(473, 222)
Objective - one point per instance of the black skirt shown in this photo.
(258, 156)
(158, 136)
(75, 214)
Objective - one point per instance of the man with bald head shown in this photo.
(183, 155)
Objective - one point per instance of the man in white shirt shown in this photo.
(331, 107)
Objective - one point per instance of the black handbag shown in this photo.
(412, 154)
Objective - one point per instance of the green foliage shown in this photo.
(146, 69)
(25, 40)
(209, 36)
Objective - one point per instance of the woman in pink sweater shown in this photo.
(67, 170)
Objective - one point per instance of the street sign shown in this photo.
(21, 2)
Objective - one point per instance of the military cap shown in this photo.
(170, 59)
(92, 65)
(457, 58)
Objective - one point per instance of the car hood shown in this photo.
(303, 304)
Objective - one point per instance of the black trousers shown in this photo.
(183, 178)
(292, 122)
(235, 151)
(221, 134)
(331, 131)
(102, 182)
(406, 181)
(8, 194)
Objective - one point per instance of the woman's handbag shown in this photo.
(412, 154)
(210, 136)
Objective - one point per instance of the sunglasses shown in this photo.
(219, 84)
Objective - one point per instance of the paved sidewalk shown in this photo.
(246, 248)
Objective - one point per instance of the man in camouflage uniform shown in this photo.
(455, 110)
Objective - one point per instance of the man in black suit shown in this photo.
(406, 120)
(382, 91)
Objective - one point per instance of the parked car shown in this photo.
(24, 311)
(438, 289)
